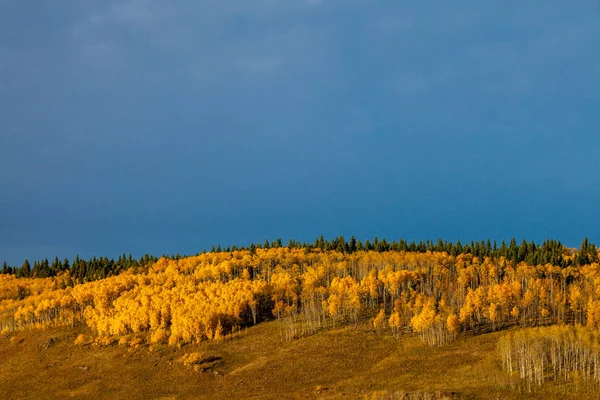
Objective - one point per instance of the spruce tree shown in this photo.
(25, 270)
(55, 267)
(352, 247)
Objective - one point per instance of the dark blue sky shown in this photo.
(159, 126)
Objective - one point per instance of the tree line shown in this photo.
(549, 252)
(80, 270)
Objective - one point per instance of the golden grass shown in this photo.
(348, 363)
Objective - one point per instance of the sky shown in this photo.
(147, 126)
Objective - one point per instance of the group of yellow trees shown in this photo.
(205, 297)
(557, 353)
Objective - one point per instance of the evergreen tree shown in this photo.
(55, 267)
(352, 246)
(339, 244)
(587, 253)
(45, 269)
(513, 250)
(359, 246)
(503, 252)
(25, 270)
(440, 245)
(402, 245)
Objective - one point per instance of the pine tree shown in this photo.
(55, 267)
(513, 250)
(352, 247)
(359, 246)
(340, 242)
(587, 253)
(44, 269)
(25, 270)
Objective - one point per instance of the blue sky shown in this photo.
(147, 126)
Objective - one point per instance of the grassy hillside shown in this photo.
(306, 323)
(351, 362)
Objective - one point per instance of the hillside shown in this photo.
(306, 323)
(348, 363)
(345, 363)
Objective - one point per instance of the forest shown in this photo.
(546, 297)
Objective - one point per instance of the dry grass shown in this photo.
(349, 363)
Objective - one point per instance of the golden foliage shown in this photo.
(207, 297)
(379, 320)
(81, 339)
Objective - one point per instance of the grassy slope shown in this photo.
(345, 363)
